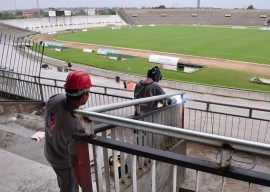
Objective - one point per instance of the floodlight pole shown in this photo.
(38, 7)
(198, 4)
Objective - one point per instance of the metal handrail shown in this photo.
(129, 103)
(199, 137)
(226, 105)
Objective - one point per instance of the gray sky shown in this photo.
(26, 4)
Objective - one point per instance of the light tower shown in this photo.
(198, 4)
(38, 7)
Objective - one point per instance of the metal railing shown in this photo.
(135, 136)
(20, 67)
(131, 144)
(248, 123)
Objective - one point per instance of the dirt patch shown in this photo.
(28, 121)
(211, 62)
(6, 139)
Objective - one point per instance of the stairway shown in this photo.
(23, 165)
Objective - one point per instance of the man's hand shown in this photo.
(172, 101)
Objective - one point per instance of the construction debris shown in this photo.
(260, 80)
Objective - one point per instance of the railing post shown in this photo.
(183, 114)
(134, 173)
(207, 106)
(197, 180)
(154, 176)
(174, 178)
(250, 113)
(40, 86)
(82, 167)
(226, 156)
(98, 166)
(40, 89)
(88, 125)
(137, 110)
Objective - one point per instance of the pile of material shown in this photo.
(260, 80)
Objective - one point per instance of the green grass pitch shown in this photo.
(207, 76)
(250, 45)
(235, 44)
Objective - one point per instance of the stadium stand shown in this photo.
(194, 16)
(15, 31)
(125, 17)
(52, 24)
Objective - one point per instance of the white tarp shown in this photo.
(103, 51)
(88, 50)
(260, 80)
(164, 59)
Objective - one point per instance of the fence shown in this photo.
(140, 143)
(137, 137)
(235, 121)
(20, 67)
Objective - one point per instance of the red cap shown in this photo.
(78, 80)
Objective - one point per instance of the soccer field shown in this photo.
(248, 45)
(219, 42)
(207, 76)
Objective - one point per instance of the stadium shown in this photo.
(195, 44)
(215, 60)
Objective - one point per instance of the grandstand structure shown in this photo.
(229, 17)
(53, 24)
(16, 31)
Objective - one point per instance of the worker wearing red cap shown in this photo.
(60, 124)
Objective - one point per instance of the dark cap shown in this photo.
(154, 74)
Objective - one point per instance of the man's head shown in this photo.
(154, 74)
(77, 87)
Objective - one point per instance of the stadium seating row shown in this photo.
(15, 31)
(195, 17)
(46, 25)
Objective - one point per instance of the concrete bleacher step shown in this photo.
(22, 146)
(22, 174)
(23, 165)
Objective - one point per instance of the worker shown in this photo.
(150, 87)
(60, 124)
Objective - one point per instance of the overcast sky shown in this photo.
(27, 4)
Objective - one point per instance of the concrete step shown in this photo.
(22, 162)
(22, 174)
